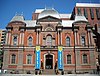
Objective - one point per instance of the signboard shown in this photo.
(60, 58)
(37, 64)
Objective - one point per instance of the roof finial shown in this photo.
(52, 7)
(22, 13)
(45, 7)
(16, 13)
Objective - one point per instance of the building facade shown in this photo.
(2, 42)
(50, 38)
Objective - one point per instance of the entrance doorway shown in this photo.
(49, 62)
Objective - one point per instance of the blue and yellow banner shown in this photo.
(38, 62)
(60, 58)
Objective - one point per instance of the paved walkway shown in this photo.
(49, 75)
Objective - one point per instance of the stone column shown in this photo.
(22, 38)
(37, 41)
(6, 59)
(90, 38)
(58, 38)
(75, 37)
(7, 38)
(20, 60)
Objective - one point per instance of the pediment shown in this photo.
(49, 19)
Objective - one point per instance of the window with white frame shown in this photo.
(15, 40)
(91, 13)
(85, 59)
(79, 11)
(68, 59)
(49, 40)
(68, 41)
(29, 59)
(30, 40)
(13, 59)
(83, 40)
(85, 13)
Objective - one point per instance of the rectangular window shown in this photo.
(30, 40)
(85, 13)
(67, 41)
(85, 61)
(68, 59)
(15, 40)
(92, 13)
(98, 13)
(49, 41)
(83, 40)
(29, 59)
(13, 59)
(79, 11)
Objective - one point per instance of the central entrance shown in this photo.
(49, 62)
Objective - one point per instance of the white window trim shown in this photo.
(28, 41)
(69, 41)
(66, 59)
(31, 59)
(11, 59)
(13, 41)
(87, 59)
(81, 40)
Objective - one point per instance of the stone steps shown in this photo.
(48, 72)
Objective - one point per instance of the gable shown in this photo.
(49, 19)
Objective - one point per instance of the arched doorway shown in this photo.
(49, 61)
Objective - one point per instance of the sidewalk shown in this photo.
(49, 75)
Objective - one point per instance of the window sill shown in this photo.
(85, 64)
(69, 64)
(12, 64)
(29, 64)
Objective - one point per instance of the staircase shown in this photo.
(48, 72)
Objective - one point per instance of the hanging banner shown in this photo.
(60, 58)
(37, 60)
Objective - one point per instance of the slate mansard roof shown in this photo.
(53, 13)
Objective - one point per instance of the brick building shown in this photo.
(52, 37)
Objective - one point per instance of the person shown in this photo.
(98, 68)
(41, 67)
(55, 67)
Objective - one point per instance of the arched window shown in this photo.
(48, 29)
(85, 60)
(30, 41)
(83, 40)
(49, 40)
(67, 41)
(15, 40)
(68, 59)
(13, 59)
(29, 59)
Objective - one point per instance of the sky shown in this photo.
(9, 8)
